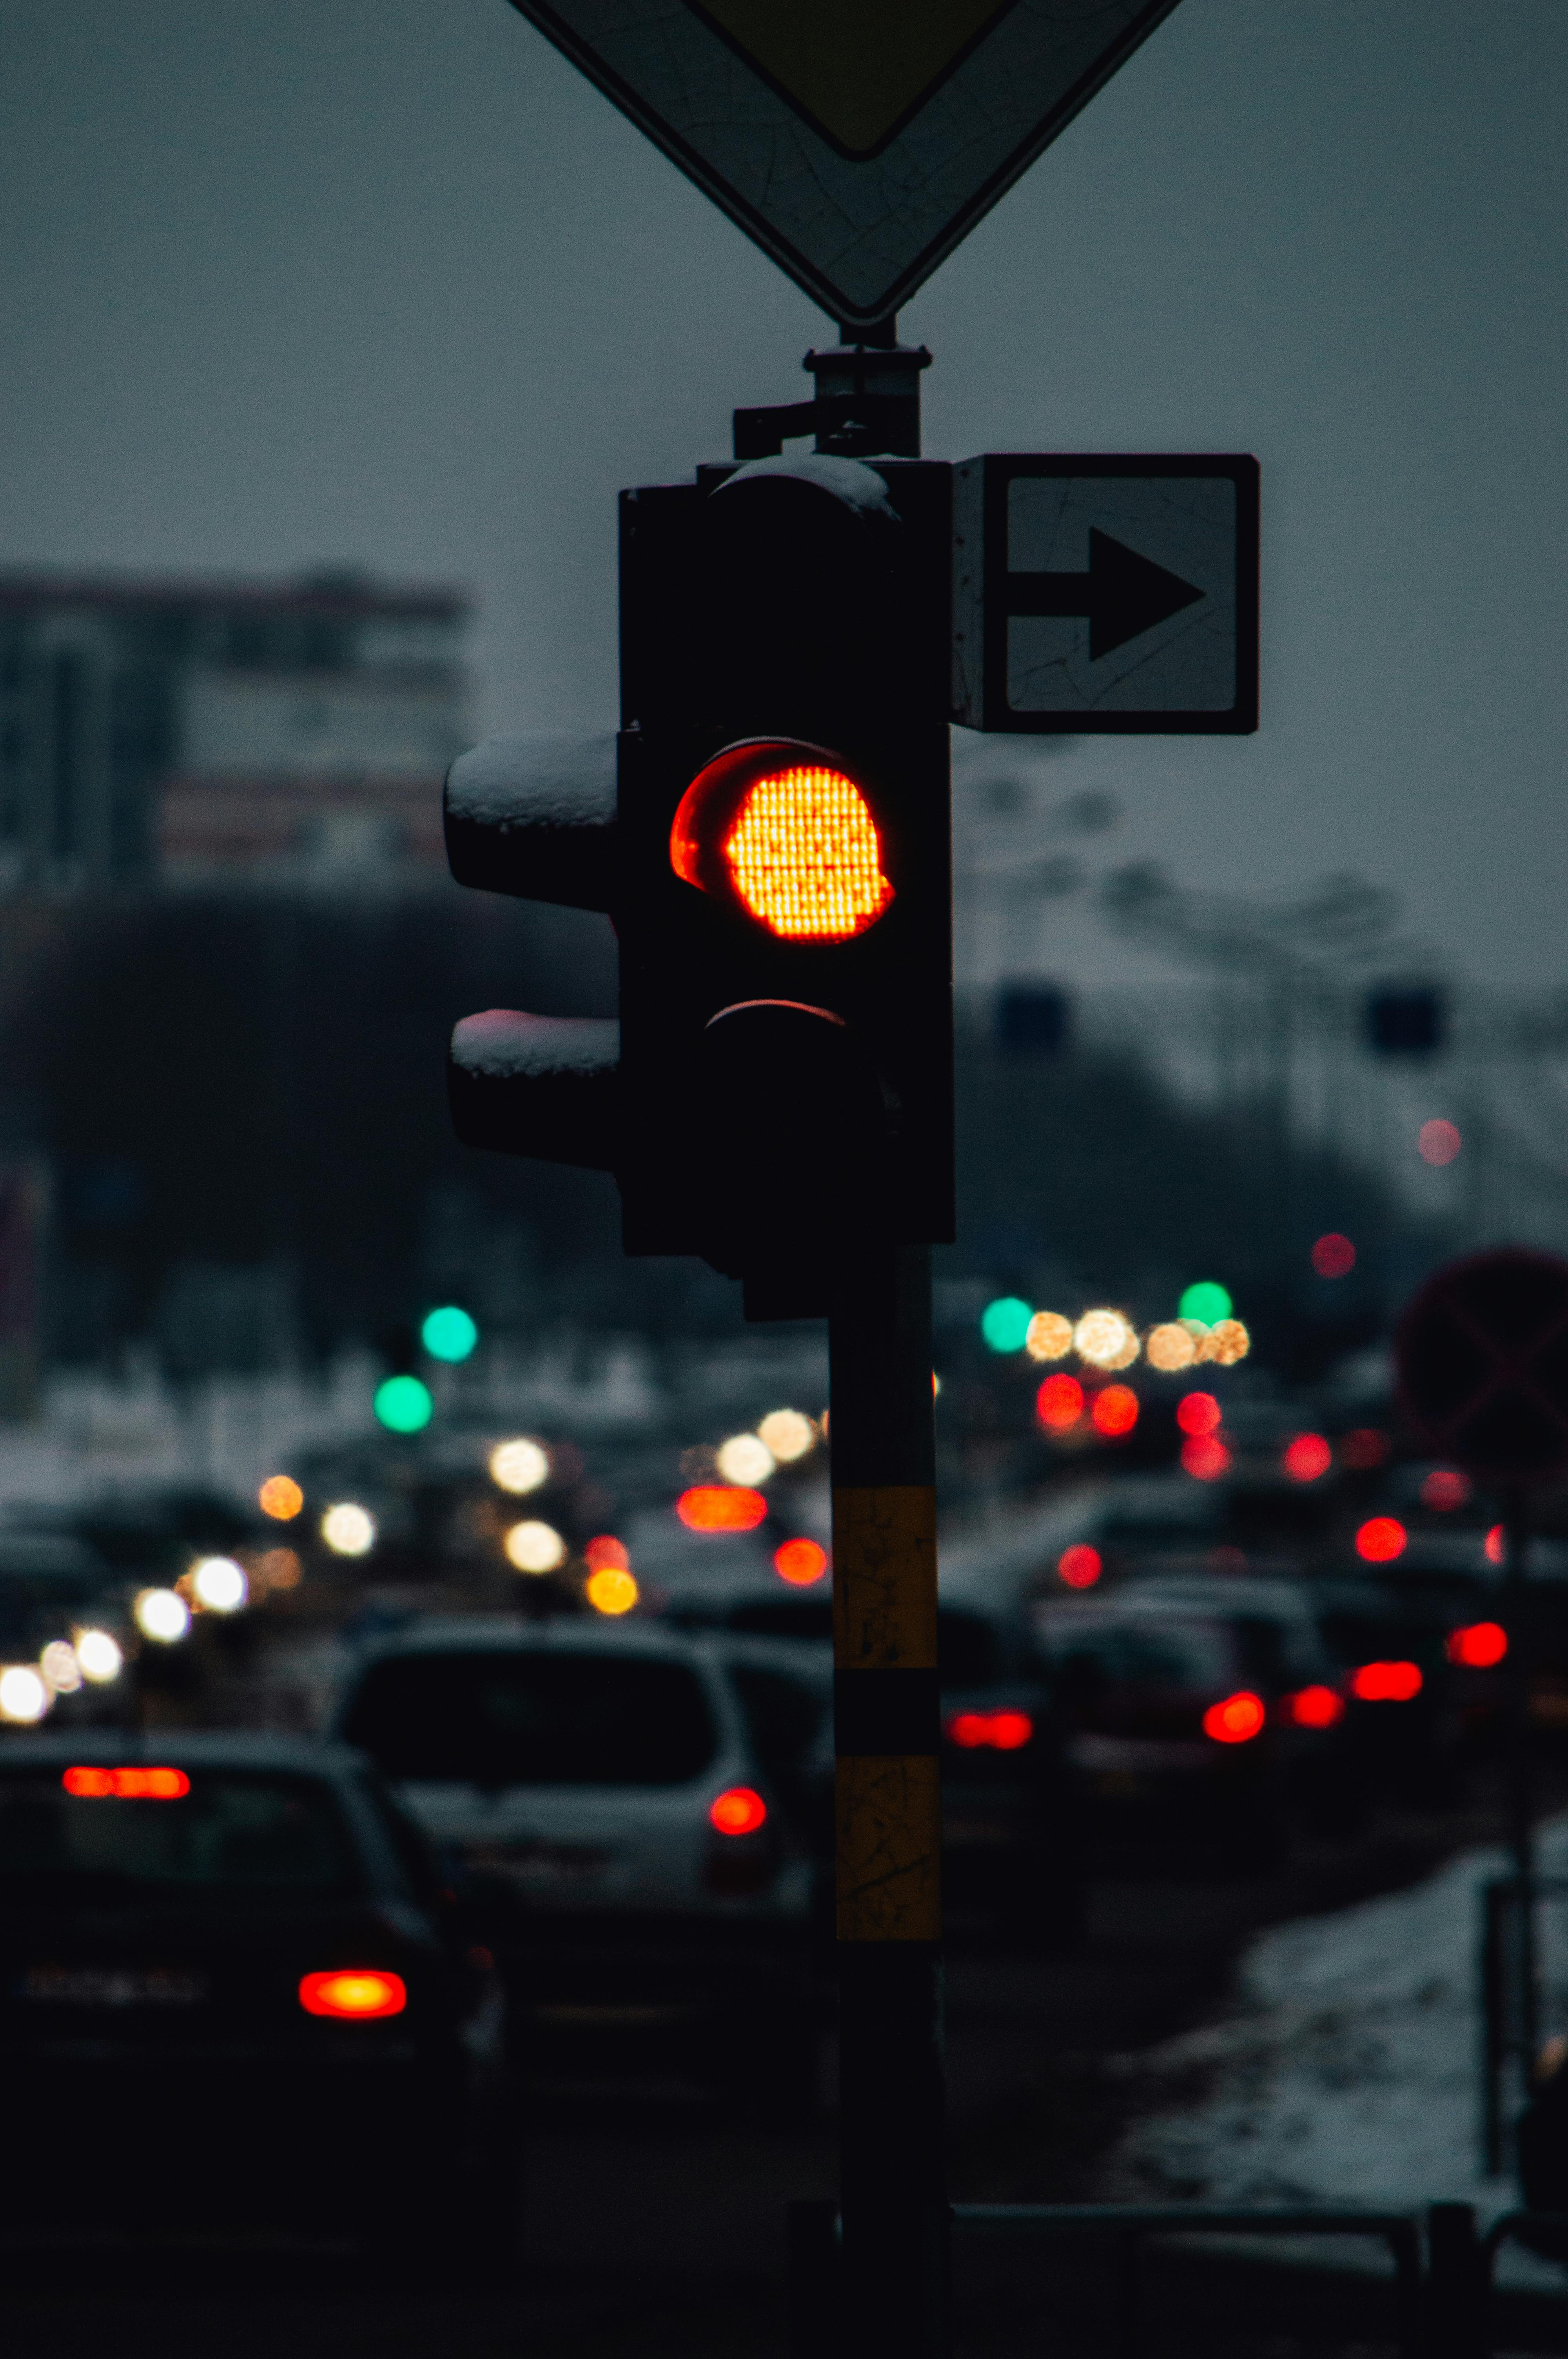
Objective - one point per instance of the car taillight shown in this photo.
(1478, 1645)
(1004, 1732)
(354, 1994)
(1313, 1707)
(1386, 1682)
(738, 1811)
(1236, 1719)
(136, 1784)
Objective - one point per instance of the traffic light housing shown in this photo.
(778, 870)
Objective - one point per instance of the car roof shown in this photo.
(183, 1749)
(453, 1634)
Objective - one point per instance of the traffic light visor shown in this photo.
(785, 832)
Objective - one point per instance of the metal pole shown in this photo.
(887, 1735)
(1521, 1795)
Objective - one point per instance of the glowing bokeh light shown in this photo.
(708, 1508)
(161, 1615)
(220, 1584)
(276, 1568)
(1204, 1457)
(1238, 1718)
(139, 1782)
(1333, 1255)
(1444, 1489)
(739, 1811)
(744, 1459)
(403, 1404)
(1228, 1342)
(1315, 1707)
(1079, 1566)
(534, 1547)
(519, 1466)
(1106, 1340)
(1001, 1732)
(1438, 1142)
(1114, 1411)
(604, 1552)
(280, 1497)
(800, 1562)
(100, 1655)
(788, 1433)
(1048, 1336)
(1170, 1348)
(611, 1590)
(1498, 1545)
(1005, 1323)
(1199, 1413)
(354, 1994)
(1381, 1540)
(1206, 1299)
(59, 1667)
(448, 1334)
(1479, 1645)
(24, 1694)
(348, 1529)
(1306, 1457)
(1059, 1403)
(1387, 1682)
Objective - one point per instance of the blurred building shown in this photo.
(190, 731)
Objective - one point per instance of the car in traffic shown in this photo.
(647, 1890)
(234, 1988)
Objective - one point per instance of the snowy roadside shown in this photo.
(1345, 2071)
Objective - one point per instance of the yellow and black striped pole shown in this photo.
(892, 2185)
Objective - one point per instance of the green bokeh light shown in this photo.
(1005, 1324)
(404, 1405)
(1206, 1301)
(448, 1334)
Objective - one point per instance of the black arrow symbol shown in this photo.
(1122, 593)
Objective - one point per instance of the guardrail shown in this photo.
(1442, 2265)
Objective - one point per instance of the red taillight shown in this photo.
(129, 1785)
(738, 1811)
(1381, 1540)
(1238, 1717)
(354, 1994)
(1387, 1682)
(1307, 1457)
(800, 1562)
(1003, 1732)
(1313, 1707)
(1079, 1566)
(716, 1507)
(1479, 1645)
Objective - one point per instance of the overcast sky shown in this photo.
(294, 282)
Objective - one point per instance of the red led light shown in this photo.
(1333, 1255)
(1003, 1732)
(1059, 1403)
(1444, 1489)
(1199, 1413)
(738, 1811)
(1238, 1718)
(787, 833)
(131, 1784)
(354, 1994)
(1478, 1645)
(1079, 1566)
(1115, 1411)
(1387, 1682)
(1365, 1448)
(1381, 1540)
(606, 1554)
(800, 1562)
(715, 1507)
(1315, 1707)
(1307, 1457)
(1204, 1457)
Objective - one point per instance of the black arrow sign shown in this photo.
(1122, 593)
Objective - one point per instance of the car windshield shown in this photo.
(229, 1836)
(536, 1719)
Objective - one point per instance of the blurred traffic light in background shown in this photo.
(448, 1334)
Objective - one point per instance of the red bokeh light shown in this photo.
(712, 1507)
(1333, 1255)
(606, 1554)
(1204, 1457)
(1479, 1645)
(1387, 1682)
(1004, 1732)
(1439, 1142)
(1315, 1707)
(1059, 1403)
(1445, 1488)
(354, 1994)
(1079, 1566)
(1307, 1457)
(134, 1784)
(1497, 1545)
(800, 1562)
(1381, 1540)
(739, 1811)
(1115, 1411)
(1198, 1413)
(1365, 1447)
(1234, 1720)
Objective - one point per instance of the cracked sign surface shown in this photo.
(856, 141)
(1110, 594)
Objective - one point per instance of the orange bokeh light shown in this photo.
(1239, 1717)
(1307, 1457)
(1479, 1645)
(800, 1562)
(1198, 1413)
(1115, 1411)
(1381, 1540)
(1059, 1403)
(354, 1994)
(712, 1507)
(739, 1811)
(280, 1497)
(606, 1554)
(1079, 1566)
(1387, 1682)
(134, 1784)
(1204, 1457)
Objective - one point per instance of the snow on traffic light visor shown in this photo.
(783, 830)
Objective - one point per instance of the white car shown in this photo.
(639, 1873)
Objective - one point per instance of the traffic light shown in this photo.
(402, 1401)
(776, 862)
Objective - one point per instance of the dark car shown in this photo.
(234, 1987)
(1397, 1664)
